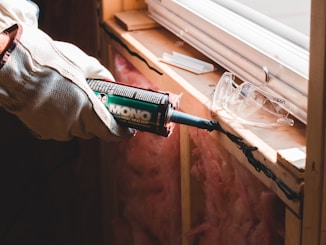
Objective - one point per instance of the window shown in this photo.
(260, 48)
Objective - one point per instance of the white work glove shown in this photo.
(43, 83)
(18, 11)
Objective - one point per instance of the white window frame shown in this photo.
(251, 52)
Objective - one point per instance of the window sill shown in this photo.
(276, 148)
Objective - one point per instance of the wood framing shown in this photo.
(109, 8)
(314, 219)
(305, 219)
(150, 44)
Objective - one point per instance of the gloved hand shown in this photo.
(43, 83)
(18, 11)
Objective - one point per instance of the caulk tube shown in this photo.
(143, 109)
(134, 107)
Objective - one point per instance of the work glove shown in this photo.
(43, 83)
(18, 11)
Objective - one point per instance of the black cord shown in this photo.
(259, 166)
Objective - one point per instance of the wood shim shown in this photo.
(135, 20)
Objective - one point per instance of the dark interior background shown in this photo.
(50, 191)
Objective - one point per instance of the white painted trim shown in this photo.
(222, 37)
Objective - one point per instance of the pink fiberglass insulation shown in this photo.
(147, 179)
(147, 174)
(238, 208)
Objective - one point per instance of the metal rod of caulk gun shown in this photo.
(190, 120)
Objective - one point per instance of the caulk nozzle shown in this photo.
(190, 120)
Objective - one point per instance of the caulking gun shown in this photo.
(145, 110)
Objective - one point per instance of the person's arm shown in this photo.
(43, 83)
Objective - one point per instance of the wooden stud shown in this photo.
(133, 4)
(109, 8)
(185, 182)
(313, 228)
(292, 228)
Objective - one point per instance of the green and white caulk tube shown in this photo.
(142, 109)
